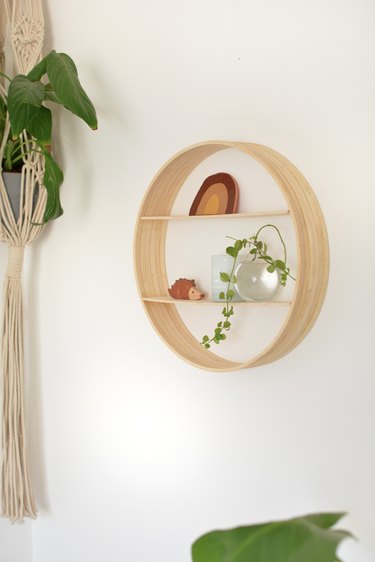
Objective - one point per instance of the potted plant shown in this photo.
(26, 121)
(278, 270)
(303, 539)
(25, 143)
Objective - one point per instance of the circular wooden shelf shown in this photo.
(149, 254)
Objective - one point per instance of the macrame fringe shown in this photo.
(16, 494)
(17, 499)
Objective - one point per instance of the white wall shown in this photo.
(135, 453)
(15, 542)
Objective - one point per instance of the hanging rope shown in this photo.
(26, 24)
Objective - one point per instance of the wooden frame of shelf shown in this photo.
(149, 254)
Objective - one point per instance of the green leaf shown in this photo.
(39, 70)
(324, 520)
(253, 251)
(50, 95)
(222, 295)
(207, 345)
(40, 125)
(53, 178)
(280, 264)
(63, 76)
(234, 278)
(305, 539)
(24, 101)
(259, 245)
(271, 268)
(231, 251)
(224, 277)
(230, 294)
(216, 339)
(227, 324)
(238, 245)
(205, 338)
(222, 336)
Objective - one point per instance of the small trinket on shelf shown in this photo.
(218, 195)
(185, 289)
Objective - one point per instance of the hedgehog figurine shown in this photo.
(185, 289)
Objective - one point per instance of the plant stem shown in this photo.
(227, 312)
(4, 139)
(262, 254)
(278, 232)
(258, 250)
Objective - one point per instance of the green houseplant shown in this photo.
(257, 250)
(303, 539)
(26, 119)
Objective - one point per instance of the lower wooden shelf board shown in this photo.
(169, 300)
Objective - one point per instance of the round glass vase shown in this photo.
(254, 282)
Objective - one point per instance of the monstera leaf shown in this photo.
(303, 539)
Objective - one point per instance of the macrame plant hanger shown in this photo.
(24, 23)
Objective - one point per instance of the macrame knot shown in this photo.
(27, 30)
(15, 261)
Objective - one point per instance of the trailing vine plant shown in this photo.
(258, 250)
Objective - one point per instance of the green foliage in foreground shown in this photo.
(303, 539)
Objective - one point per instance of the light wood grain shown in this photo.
(149, 254)
(254, 214)
(170, 300)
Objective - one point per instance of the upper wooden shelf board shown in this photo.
(150, 242)
(254, 214)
